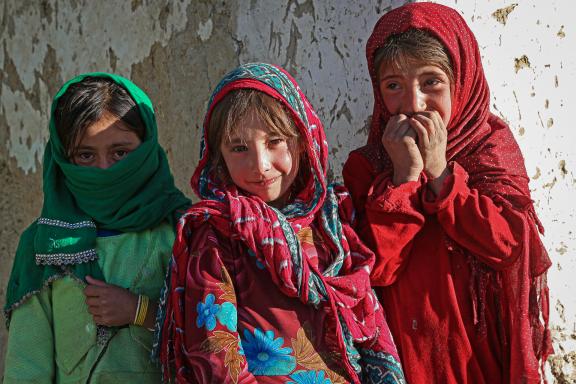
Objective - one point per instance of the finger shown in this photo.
(93, 291)
(399, 131)
(427, 121)
(96, 282)
(411, 132)
(422, 132)
(93, 301)
(94, 311)
(438, 123)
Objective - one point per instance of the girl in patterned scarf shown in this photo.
(87, 272)
(268, 281)
(442, 197)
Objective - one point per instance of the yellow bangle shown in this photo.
(137, 310)
(141, 310)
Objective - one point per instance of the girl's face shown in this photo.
(259, 161)
(416, 89)
(105, 142)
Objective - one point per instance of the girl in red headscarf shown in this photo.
(442, 197)
(268, 281)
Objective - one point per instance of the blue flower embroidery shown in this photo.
(206, 313)
(228, 316)
(309, 377)
(265, 354)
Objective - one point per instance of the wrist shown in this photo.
(405, 176)
(436, 183)
(141, 310)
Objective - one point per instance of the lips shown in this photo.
(265, 182)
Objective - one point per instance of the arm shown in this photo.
(30, 348)
(205, 337)
(493, 232)
(387, 219)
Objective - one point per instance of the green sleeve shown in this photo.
(30, 349)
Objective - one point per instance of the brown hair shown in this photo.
(413, 46)
(238, 104)
(84, 103)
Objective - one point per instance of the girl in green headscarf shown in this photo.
(88, 272)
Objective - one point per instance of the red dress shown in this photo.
(281, 337)
(424, 284)
(462, 276)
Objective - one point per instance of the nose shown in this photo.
(103, 162)
(261, 161)
(414, 100)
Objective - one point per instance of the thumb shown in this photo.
(96, 282)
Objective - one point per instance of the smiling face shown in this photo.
(104, 143)
(416, 88)
(259, 161)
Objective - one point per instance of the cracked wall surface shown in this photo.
(178, 50)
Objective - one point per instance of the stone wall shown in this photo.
(178, 50)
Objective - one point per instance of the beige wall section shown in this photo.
(178, 50)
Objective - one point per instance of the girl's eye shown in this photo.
(239, 148)
(84, 157)
(120, 154)
(432, 82)
(276, 141)
(392, 86)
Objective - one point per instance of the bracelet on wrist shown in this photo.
(141, 310)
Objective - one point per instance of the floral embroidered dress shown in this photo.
(257, 294)
(462, 275)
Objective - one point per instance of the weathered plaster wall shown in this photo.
(178, 50)
(530, 62)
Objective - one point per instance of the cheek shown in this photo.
(446, 110)
(285, 162)
(390, 102)
(233, 166)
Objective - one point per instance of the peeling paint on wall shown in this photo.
(521, 62)
(502, 14)
(47, 43)
(205, 30)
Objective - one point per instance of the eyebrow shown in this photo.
(115, 145)
(427, 73)
(234, 141)
(390, 77)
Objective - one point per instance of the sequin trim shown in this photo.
(66, 258)
(23, 299)
(103, 335)
(64, 224)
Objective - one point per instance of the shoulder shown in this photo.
(361, 169)
(26, 243)
(202, 227)
(370, 157)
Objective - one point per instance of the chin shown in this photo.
(269, 199)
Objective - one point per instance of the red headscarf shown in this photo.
(270, 234)
(485, 147)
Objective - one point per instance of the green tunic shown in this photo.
(52, 337)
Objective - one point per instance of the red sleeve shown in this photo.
(388, 217)
(491, 232)
(210, 340)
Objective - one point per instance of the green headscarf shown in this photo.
(134, 194)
